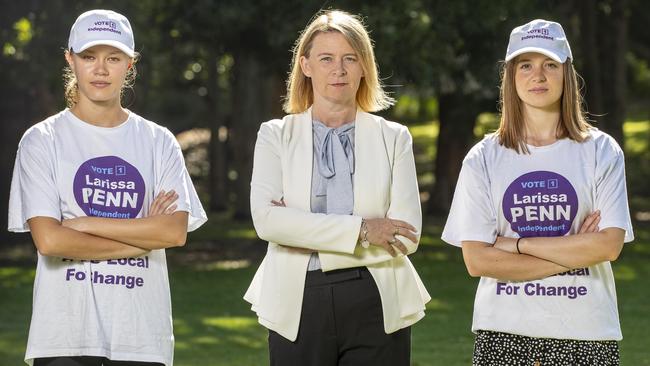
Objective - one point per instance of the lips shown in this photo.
(338, 85)
(100, 84)
(538, 90)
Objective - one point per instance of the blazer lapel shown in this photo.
(300, 159)
(366, 136)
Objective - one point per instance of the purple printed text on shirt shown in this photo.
(540, 203)
(109, 186)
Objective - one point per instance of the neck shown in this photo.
(541, 125)
(334, 115)
(101, 114)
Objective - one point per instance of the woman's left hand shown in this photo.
(382, 232)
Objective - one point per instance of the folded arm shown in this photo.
(574, 251)
(55, 240)
(291, 226)
(398, 233)
(163, 228)
(153, 232)
(484, 260)
(587, 247)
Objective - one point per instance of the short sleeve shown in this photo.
(472, 216)
(174, 175)
(33, 185)
(611, 191)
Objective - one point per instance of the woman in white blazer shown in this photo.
(334, 191)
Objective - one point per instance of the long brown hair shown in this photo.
(573, 122)
(371, 96)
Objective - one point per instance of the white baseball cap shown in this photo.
(104, 27)
(541, 36)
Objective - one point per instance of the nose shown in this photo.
(538, 74)
(339, 68)
(100, 67)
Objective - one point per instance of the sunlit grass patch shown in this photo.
(231, 322)
(11, 277)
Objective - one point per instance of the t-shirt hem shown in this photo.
(96, 352)
(629, 234)
(24, 227)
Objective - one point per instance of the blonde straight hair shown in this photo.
(371, 96)
(573, 122)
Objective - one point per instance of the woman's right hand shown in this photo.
(382, 232)
(164, 204)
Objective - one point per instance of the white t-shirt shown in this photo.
(546, 193)
(66, 168)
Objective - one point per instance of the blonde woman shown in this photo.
(334, 192)
(103, 192)
(540, 210)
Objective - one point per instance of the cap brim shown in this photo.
(119, 45)
(543, 51)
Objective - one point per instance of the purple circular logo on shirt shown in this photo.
(540, 203)
(109, 187)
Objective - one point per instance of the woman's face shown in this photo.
(334, 68)
(539, 81)
(100, 71)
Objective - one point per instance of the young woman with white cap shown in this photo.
(540, 210)
(103, 192)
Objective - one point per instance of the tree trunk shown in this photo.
(614, 80)
(218, 179)
(254, 88)
(458, 114)
(591, 64)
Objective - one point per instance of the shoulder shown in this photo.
(290, 124)
(603, 142)
(42, 132)
(148, 128)
(489, 145)
(388, 129)
(382, 122)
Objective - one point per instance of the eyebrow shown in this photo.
(331, 54)
(528, 60)
(91, 52)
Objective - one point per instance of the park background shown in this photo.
(212, 71)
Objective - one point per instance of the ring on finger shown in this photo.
(392, 241)
(396, 231)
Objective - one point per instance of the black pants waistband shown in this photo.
(319, 278)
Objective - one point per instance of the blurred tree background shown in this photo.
(216, 70)
(213, 70)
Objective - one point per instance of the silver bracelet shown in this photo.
(364, 234)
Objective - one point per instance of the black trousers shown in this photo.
(88, 361)
(341, 325)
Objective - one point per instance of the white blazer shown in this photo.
(385, 185)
